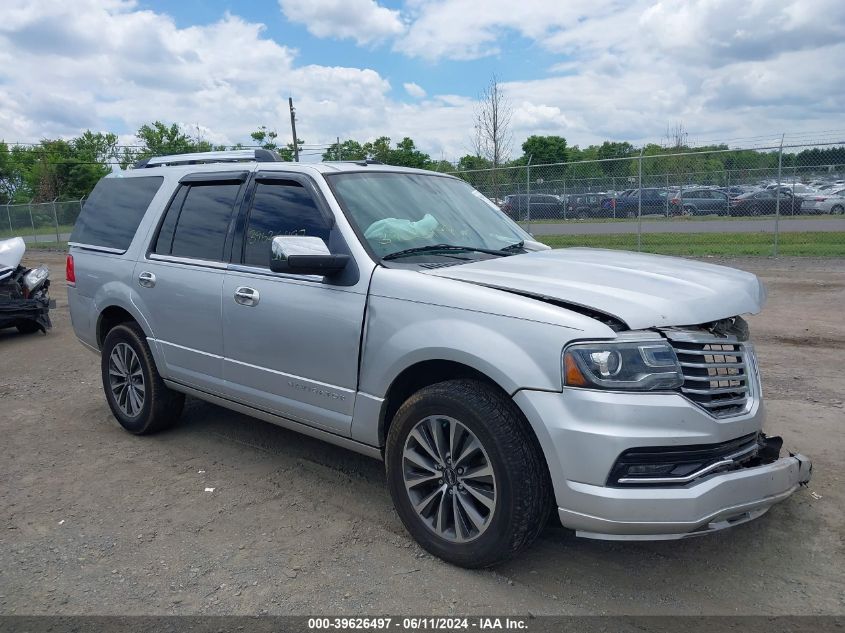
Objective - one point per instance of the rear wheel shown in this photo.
(136, 394)
(28, 327)
(466, 476)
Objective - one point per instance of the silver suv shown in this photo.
(401, 314)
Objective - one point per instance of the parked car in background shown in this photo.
(699, 202)
(654, 200)
(735, 190)
(831, 202)
(542, 206)
(585, 205)
(764, 202)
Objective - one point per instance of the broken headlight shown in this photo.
(632, 366)
(35, 278)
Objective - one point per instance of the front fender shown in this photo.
(514, 353)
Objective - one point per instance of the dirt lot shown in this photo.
(96, 521)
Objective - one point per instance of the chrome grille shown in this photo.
(717, 375)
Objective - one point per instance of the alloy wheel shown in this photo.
(449, 479)
(126, 379)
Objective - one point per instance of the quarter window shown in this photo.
(280, 208)
(114, 210)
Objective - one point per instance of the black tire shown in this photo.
(837, 209)
(161, 406)
(28, 327)
(523, 488)
(689, 210)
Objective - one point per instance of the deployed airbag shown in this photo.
(400, 230)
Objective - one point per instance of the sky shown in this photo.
(588, 70)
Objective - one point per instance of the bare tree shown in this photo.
(676, 135)
(491, 131)
(492, 123)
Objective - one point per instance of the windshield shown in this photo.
(399, 211)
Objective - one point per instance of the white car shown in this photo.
(825, 202)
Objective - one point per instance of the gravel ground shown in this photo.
(96, 521)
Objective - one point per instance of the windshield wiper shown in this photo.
(444, 247)
(520, 245)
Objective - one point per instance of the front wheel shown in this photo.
(466, 475)
(837, 209)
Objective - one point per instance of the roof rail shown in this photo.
(231, 156)
(363, 163)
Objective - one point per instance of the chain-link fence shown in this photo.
(786, 200)
(40, 222)
(764, 201)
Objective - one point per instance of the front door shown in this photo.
(291, 341)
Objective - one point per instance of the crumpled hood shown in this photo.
(641, 290)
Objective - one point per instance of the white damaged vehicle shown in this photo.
(399, 313)
(24, 297)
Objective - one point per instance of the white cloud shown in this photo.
(469, 29)
(628, 68)
(414, 90)
(365, 21)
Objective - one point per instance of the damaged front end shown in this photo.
(24, 292)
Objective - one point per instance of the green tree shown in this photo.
(545, 150)
(265, 138)
(160, 139)
(347, 150)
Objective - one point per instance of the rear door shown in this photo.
(293, 350)
(181, 277)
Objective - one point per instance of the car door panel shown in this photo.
(192, 346)
(181, 278)
(294, 351)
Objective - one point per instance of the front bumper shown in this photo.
(583, 432)
(716, 503)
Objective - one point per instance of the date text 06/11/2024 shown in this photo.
(418, 623)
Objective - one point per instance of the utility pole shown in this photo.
(293, 129)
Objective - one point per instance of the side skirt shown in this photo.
(331, 438)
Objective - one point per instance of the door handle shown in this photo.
(147, 279)
(246, 296)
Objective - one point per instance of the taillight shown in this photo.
(676, 201)
(70, 273)
(820, 199)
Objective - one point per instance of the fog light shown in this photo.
(649, 469)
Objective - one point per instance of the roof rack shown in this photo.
(231, 156)
(363, 163)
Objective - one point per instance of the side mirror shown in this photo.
(304, 255)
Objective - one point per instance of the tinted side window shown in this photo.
(164, 241)
(280, 208)
(113, 211)
(204, 221)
